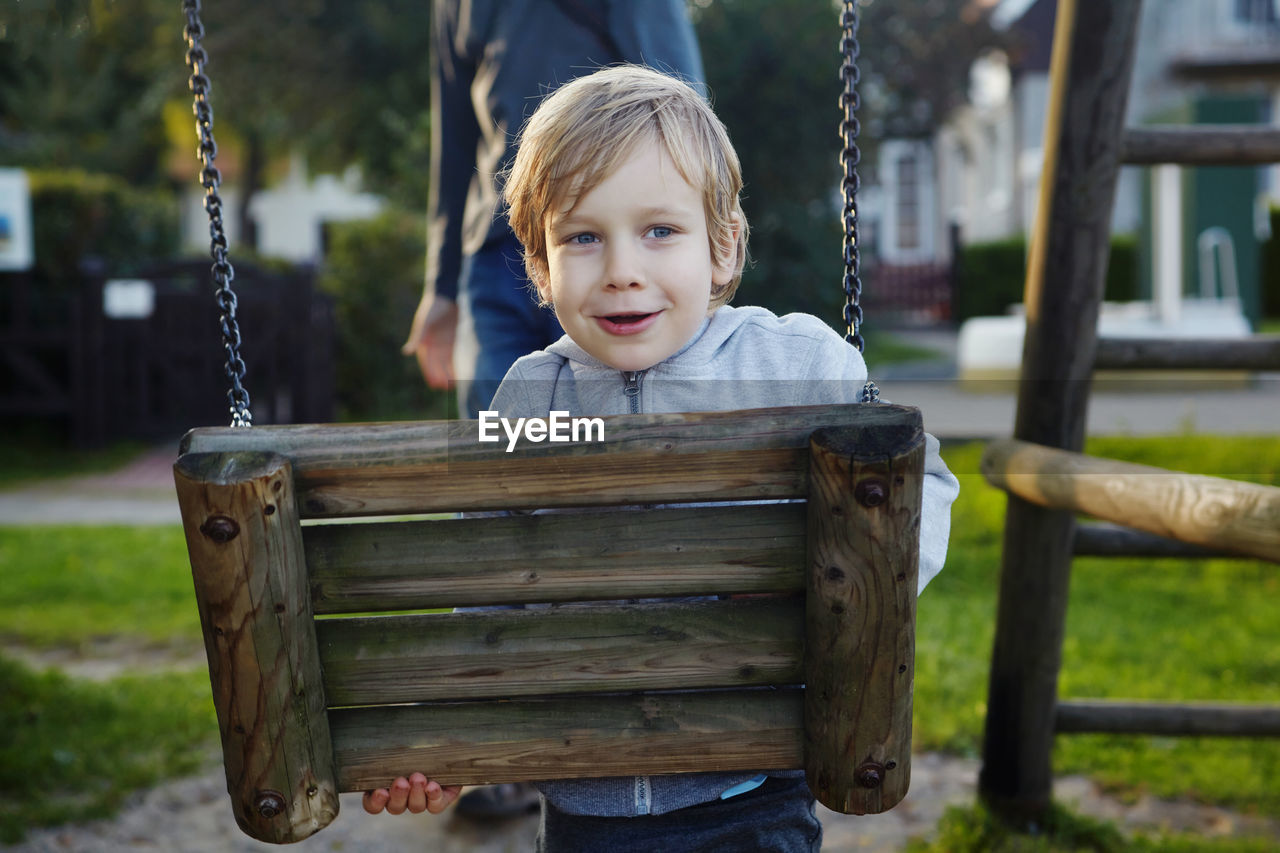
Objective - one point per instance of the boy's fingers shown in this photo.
(376, 800)
(440, 798)
(415, 794)
(399, 796)
(417, 802)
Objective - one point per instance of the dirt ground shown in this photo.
(194, 816)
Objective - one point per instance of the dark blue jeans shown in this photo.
(505, 321)
(777, 817)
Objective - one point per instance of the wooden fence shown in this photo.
(153, 368)
(908, 295)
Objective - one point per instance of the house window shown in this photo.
(908, 203)
(1256, 11)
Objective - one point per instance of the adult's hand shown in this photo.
(435, 328)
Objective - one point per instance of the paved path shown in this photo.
(140, 493)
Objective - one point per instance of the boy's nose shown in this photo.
(622, 268)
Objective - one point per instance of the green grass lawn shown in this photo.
(70, 586)
(1144, 629)
(1171, 629)
(885, 348)
(73, 750)
(35, 451)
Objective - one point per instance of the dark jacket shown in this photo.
(492, 62)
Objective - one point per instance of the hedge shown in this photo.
(373, 270)
(991, 276)
(77, 215)
(1270, 270)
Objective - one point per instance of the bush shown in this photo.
(1270, 273)
(992, 275)
(990, 278)
(373, 270)
(77, 215)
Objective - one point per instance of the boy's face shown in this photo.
(630, 268)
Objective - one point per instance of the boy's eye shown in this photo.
(582, 239)
(661, 231)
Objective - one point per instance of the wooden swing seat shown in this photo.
(331, 673)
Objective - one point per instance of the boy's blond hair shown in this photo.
(586, 129)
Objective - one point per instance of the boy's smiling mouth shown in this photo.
(627, 323)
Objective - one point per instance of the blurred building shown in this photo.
(1196, 62)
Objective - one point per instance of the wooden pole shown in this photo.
(1111, 540)
(1089, 81)
(863, 561)
(1203, 145)
(1219, 719)
(1207, 511)
(1260, 352)
(245, 543)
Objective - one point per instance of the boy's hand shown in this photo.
(415, 795)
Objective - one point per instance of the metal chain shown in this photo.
(849, 159)
(850, 156)
(211, 179)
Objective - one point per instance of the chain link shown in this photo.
(850, 156)
(849, 159)
(211, 180)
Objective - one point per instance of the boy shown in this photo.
(625, 196)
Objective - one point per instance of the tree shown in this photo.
(773, 68)
(85, 84)
(344, 81)
(79, 84)
(916, 60)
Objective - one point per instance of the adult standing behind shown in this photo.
(493, 62)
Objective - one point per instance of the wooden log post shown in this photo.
(1089, 81)
(245, 542)
(1212, 512)
(863, 562)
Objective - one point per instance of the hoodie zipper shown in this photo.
(631, 388)
(644, 798)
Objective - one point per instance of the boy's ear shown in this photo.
(540, 276)
(724, 260)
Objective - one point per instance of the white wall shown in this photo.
(289, 216)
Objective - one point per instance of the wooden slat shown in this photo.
(472, 743)
(1166, 718)
(555, 557)
(1202, 145)
(1112, 540)
(597, 649)
(405, 468)
(1260, 352)
(1209, 511)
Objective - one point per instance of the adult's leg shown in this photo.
(500, 322)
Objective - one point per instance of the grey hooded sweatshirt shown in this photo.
(741, 358)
